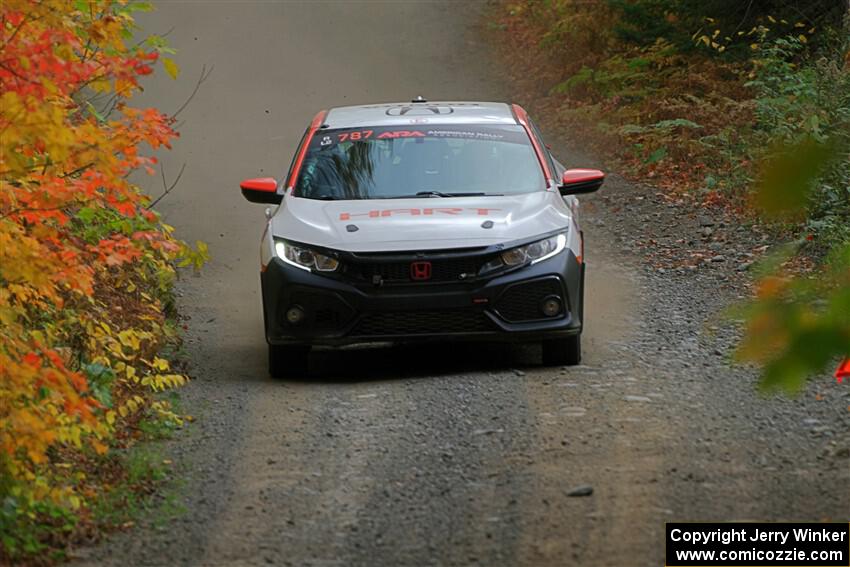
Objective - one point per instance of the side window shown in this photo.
(552, 164)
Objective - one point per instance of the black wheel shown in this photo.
(562, 352)
(288, 360)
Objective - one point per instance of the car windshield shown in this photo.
(399, 162)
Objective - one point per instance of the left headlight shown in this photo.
(304, 258)
(528, 254)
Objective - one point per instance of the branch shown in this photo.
(18, 75)
(166, 188)
(76, 171)
(43, 209)
(205, 74)
(14, 33)
(744, 19)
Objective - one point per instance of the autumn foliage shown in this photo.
(720, 104)
(85, 267)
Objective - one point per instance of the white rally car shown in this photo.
(422, 221)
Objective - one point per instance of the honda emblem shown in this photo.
(420, 271)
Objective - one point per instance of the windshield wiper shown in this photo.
(433, 194)
(441, 194)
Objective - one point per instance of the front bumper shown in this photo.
(504, 307)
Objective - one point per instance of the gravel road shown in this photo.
(446, 454)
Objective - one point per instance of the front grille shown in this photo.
(421, 323)
(521, 302)
(443, 270)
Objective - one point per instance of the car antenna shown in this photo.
(419, 98)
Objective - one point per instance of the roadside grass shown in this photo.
(148, 489)
(144, 482)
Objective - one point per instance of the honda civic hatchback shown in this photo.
(422, 221)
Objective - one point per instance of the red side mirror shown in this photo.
(843, 371)
(577, 181)
(261, 190)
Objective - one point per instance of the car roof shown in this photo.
(420, 112)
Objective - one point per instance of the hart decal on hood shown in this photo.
(415, 212)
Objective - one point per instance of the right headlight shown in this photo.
(528, 254)
(304, 258)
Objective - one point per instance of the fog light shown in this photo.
(294, 315)
(551, 306)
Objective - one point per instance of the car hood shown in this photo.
(382, 225)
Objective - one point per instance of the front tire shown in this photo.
(287, 361)
(562, 352)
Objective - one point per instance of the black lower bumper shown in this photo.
(505, 307)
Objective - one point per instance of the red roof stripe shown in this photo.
(314, 126)
(522, 118)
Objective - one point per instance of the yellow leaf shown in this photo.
(110, 417)
(129, 339)
(171, 67)
(100, 86)
(802, 38)
(124, 87)
(99, 447)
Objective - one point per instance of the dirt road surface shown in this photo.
(446, 454)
